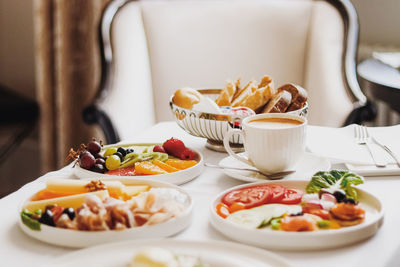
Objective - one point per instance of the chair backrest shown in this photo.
(160, 46)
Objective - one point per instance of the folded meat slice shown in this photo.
(90, 220)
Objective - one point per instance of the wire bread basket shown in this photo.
(214, 126)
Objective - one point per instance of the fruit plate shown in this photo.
(80, 239)
(301, 241)
(178, 178)
(212, 253)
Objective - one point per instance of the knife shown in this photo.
(387, 149)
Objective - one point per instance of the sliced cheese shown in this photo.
(67, 185)
(74, 201)
(133, 190)
(79, 186)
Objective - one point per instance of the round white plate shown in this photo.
(307, 166)
(80, 239)
(214, 253)
(317, 240)
(179, 177)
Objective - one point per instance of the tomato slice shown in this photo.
(250, 196)
(292, 196)
(278, 193)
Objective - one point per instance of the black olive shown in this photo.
(122, 151)
(339, 195)
(130, 150)
(349, 200)
(119, 155)
(47, 218)
(297, 214)
(70, 212)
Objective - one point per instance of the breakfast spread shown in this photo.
(160, 257)
(260, 97)
(100, 206)
(135, 160)
(329, 201)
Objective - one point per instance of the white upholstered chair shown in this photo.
(151, 48)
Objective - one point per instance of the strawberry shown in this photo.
(158, 149)
(177, 148)
(174, 146)
(188, 154)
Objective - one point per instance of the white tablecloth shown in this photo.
(383, 249)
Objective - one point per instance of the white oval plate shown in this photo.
(317, 240)
(215, 253)
(307, 166)
(80, 239)
(179, 177)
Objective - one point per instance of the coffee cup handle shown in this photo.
(229, 149)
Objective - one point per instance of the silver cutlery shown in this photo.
(362, 138)
(272, 176)
(386, 148)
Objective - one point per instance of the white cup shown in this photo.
(272, 149)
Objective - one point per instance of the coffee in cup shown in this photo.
(274, 142)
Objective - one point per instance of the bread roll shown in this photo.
(299, 95)
(186, 97)
(226, 95)
(279, 103)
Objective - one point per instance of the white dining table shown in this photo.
(383, 249)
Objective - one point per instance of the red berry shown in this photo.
(174, 147)
(187, 154)
(158, 149)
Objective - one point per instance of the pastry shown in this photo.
(244, 93)
(279, 103)
(226, 96)
(257, 97)
(186, 97)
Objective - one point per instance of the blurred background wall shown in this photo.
(379, 22)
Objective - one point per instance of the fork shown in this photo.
(362, 138)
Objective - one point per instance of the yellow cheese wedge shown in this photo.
(74, 201)
(79, 186)
(133, 190)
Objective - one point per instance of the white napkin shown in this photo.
(338, 145)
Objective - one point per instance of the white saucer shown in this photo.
(307, 166)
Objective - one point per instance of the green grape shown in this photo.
(113, 162)
(110, 151)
